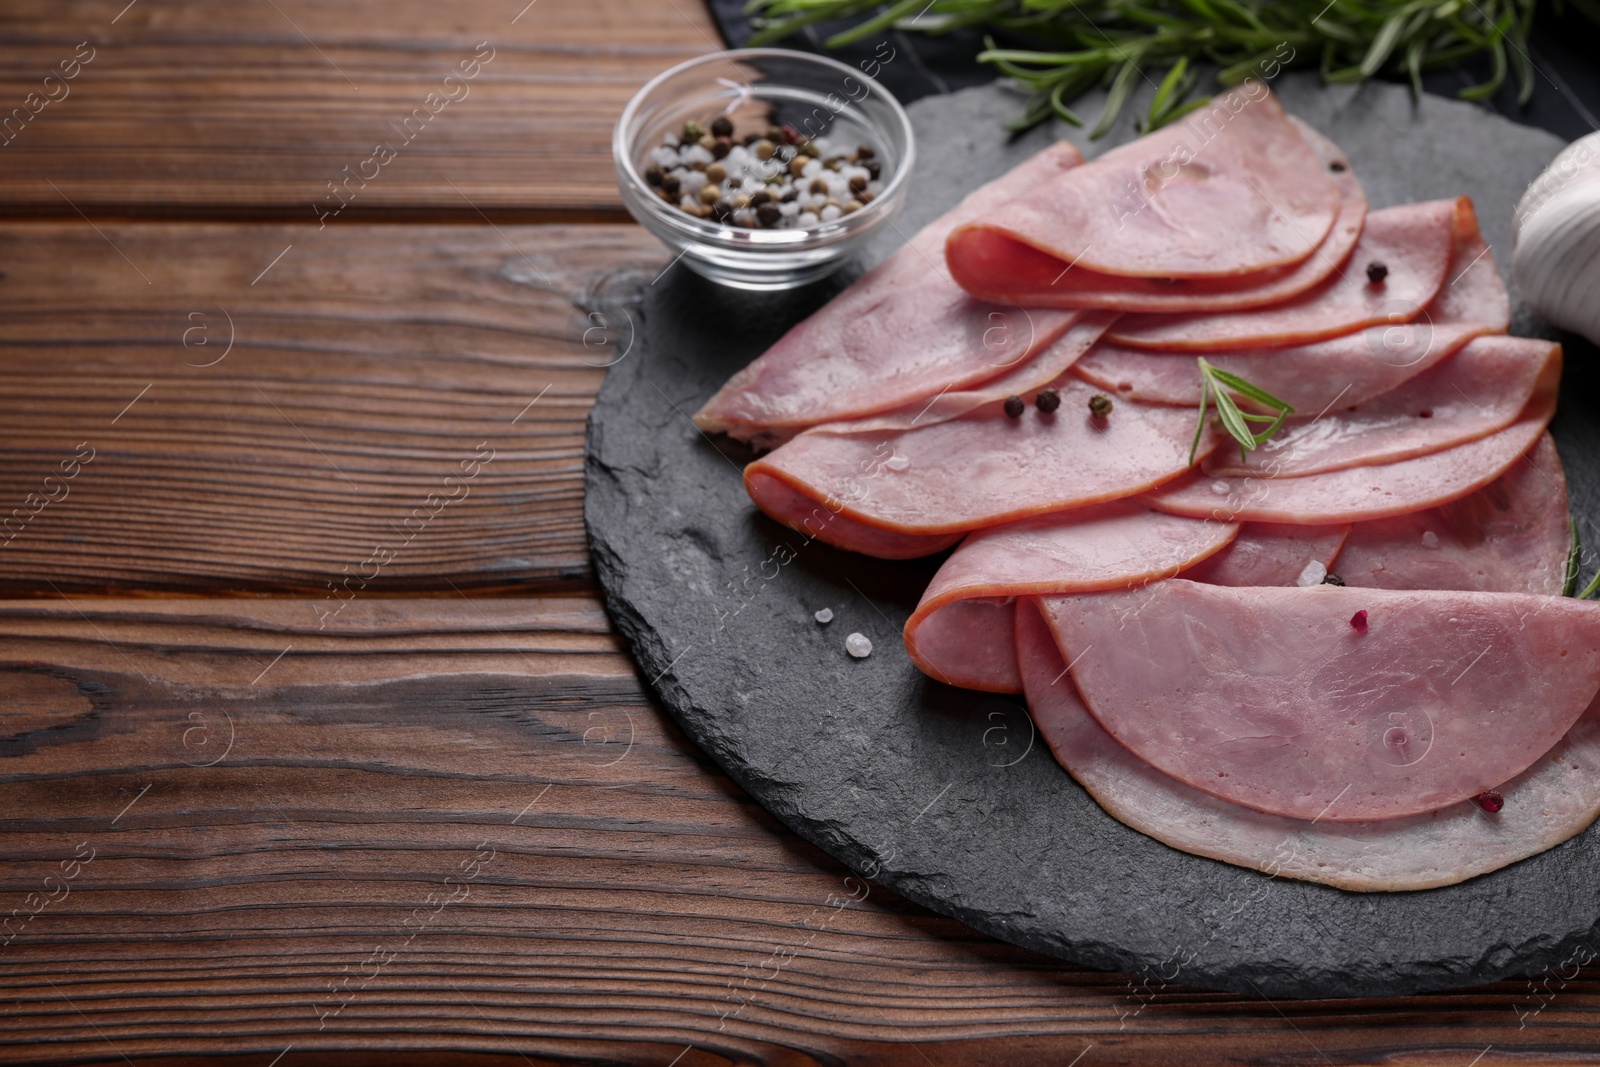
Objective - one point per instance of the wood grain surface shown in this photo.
(248, 108)
(369, 813)
(367, 363)
(458, 824)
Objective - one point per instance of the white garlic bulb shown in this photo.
(1555, 233)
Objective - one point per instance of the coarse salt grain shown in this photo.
(858, 646)
(1312, 575)
(825, 616)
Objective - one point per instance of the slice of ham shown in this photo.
(1269, 553)
(961, 630)
(1545, 805)
(1022, 381)
(1347, 369)
(1412, 242)
(1359, 493)
(1513, 536)
(1275, 699)
(995, 266)
(901, 333)
(984, 468)
(820, 520)
(1477, 391)
(1231, 191)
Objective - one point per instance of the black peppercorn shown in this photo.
(874, 168)
(858, 183)
(1376, 272)
(721, 211)
(1099, 405)
(768, 214)
(864, 152)
(1015, 406)
(759, 197)
(722, 126)
(1337, 167)
(721, 148)
(670, 185)
(1047, 400)
(1333, 579)
(653, 175)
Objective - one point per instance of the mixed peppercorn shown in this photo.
(772, 179)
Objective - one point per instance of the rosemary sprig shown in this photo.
(1120, 43)
(1215, 384)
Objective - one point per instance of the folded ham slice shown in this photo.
(961, 630)
(1551, 801)
(1024, 380)
(821, 520)
(1290, 702)
(1359, 493)
(981, 469)
(902, 333)
(1347, 369)
(1231, 191)
(1269, 553)
(999, 266)
(1480, 389)
(1513, 536)
(1412, 244)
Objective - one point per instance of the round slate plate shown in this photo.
(944, 795)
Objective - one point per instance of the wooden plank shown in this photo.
(368, 364)
(227, 830)
(248, 109)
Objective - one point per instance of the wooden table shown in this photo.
(315, 743)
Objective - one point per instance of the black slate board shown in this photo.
(944, 795)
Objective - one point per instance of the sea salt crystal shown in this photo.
(1312, 575)
(897, 463)
(858, 646)
(807, 219)
(825, 616)
(1220, 487)
(1430, 539)
(830, 213)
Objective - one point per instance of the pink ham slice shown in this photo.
(1359, 493)
(821, 521)
(995, 266)
(1231, 191)
(1545, 805)
(1477, 391)
(1023, 381)
(1513, 535)
(1413, 242)
(1274, 700)
(1269, 553)
(981, 469)
(961, 630)
(902, 333)
(1347, 369)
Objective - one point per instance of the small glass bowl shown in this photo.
(815, 95)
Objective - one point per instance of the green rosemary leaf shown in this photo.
(1383, 44)
(1590, 589)
(1199, 423)
(1121, 85)
(1249, 389)
(1570, 582)
(1232, 421)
